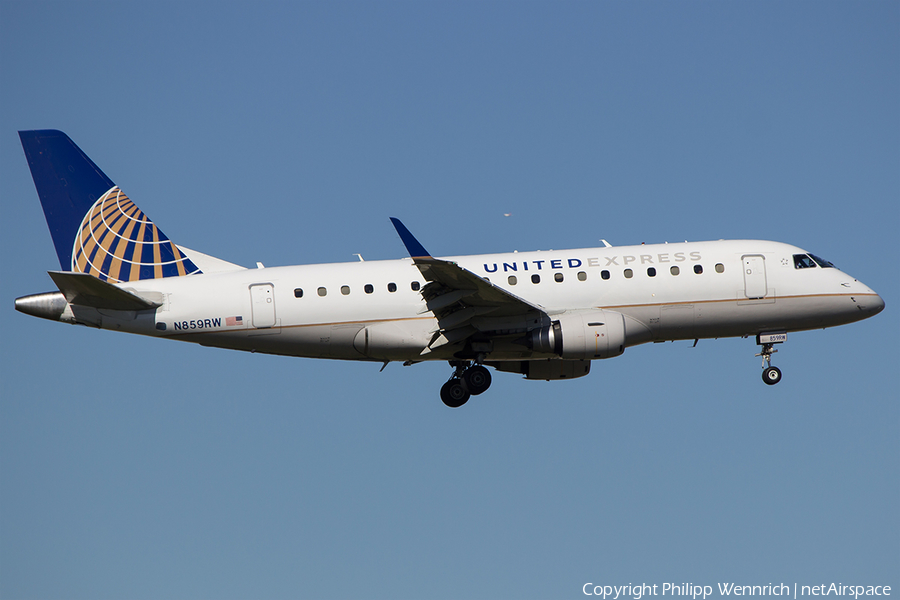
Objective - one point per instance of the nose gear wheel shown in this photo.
(770, 375)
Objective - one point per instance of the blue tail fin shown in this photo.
(95, 227)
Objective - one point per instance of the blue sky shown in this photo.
(288, 133)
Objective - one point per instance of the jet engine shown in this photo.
(581, 335)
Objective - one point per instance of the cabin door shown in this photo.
(755, 276)
(262, 301)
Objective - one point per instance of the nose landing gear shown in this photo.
(468, 380)
(770, 375)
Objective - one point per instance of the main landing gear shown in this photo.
(468, 380)
(771, 375)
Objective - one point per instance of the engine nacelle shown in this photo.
(582, 335)
(546, 369)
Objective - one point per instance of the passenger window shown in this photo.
(802, 261)
(558, 277)
(414, 286)
(720, 268)
(322, 291)
(582, 276)
(512, 280)
(392, 287)
(604, 275)
(535, 279)
(345, 290)
(651, 271)
(674, 270)
(368, 288)
(298, 293)
(698, 269)
(629, 273)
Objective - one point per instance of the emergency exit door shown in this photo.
(262, 302)
(755, 276)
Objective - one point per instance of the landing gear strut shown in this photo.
(770, 375)
(468, 380)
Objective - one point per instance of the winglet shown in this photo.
(415, 249)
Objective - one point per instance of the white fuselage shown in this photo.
(373, 310)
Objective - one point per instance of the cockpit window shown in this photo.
(802, 261)
(809, 261)
(821, 262)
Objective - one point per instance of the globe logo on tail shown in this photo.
(116, 242)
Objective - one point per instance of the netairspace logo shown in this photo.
(638, 591)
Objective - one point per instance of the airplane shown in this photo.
(544, 314)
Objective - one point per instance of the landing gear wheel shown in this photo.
(454, 394)
(771, 375)
(477, 379)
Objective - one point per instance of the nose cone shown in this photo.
(867, 301)
(874, 305)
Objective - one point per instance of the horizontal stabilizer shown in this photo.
(86, 290)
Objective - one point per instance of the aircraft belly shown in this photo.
(676, 321)
(402, 340)
(314, 341)
(317, 341)
(739, 318)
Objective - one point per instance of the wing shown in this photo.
(468, 308)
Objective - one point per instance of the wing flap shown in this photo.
(444, 300)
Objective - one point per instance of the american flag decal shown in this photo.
(233, 321)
